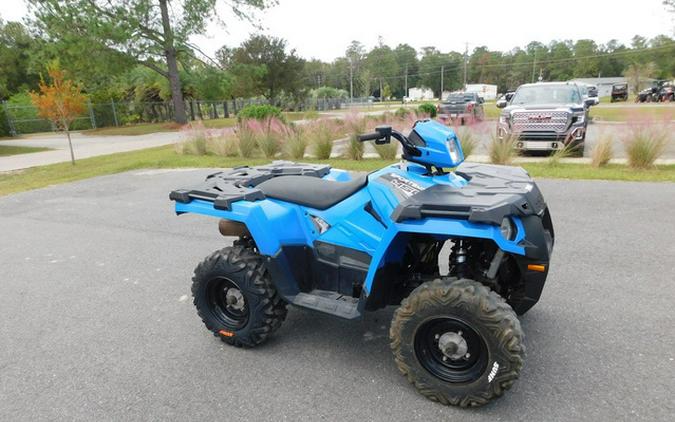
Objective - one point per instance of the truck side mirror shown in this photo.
(501, 103)
(591, 101)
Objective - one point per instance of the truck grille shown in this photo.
(539, 120)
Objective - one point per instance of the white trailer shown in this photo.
(488, 92)
(417, 94)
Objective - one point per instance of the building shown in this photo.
(486, 91)
(605, 84)
(422, 93)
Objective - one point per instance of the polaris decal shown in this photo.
(402, 187)
(493, 372)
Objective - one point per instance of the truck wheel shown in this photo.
(235, 297)
(578, 149)
(457, 342)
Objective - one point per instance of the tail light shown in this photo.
(469, 107)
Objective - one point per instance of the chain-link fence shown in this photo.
(23, 119)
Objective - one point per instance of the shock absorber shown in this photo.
(459, 254)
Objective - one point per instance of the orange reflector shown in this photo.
(536, 267)
(226, 333)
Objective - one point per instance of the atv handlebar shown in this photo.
(369, 137)
(383, 135)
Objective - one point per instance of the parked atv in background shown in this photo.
(324, 240)
(666, 92)
(464, 107)
(660, 91)
(619, 92)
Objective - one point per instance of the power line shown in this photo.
(456, 66)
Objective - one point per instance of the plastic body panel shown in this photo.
(362, 226)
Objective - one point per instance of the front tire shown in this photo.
(235, 298)
(457, 342)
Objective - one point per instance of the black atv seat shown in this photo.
(311, 192)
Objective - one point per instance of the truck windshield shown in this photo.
(456, 98)
(547, 94)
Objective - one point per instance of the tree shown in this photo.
(587, 64)
(283, 70)
(16, 45)
(142, 30)
(60, 101)
(406, 57)
(636, 72)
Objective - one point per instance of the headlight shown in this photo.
(507, 229)
(580, 118)
(453, 150)
(503, 119)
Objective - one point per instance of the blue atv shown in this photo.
(324, 240)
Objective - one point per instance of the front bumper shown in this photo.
(542, 140)
(452, 115)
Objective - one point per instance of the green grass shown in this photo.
(165, 157)
(632, 112)
(6, 150)
(491, 110)
(664, 173)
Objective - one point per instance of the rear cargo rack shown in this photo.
(239, 184)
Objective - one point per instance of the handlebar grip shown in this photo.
(369, 137)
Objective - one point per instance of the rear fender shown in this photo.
(270, 224)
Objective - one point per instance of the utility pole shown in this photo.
(406, 81)
(534, 62)
(381, 98)
(351, 81)
(466, 62)
(440, 97)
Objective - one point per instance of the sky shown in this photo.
(323, 29)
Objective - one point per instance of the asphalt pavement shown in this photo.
(96, 319)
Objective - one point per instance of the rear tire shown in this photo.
(235, 298)
(485, 359)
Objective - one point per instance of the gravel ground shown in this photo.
(96, 322)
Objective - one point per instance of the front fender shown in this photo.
(389, 250)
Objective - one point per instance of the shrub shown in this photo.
(223, 144)
(467, 140)
(328, 92)
(568, 150)
(355, 126)
(194, 142)
(502, 151)
(274, 133)
(321, 134)
(602, 152)
(259, 112)
(296, 144)
(645, 143)
(402, 112)
(428, 109)
(387, 151)
(247, 139)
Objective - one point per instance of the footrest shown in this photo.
(329, 302)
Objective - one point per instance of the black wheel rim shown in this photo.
(227, 303)
(465, 369)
